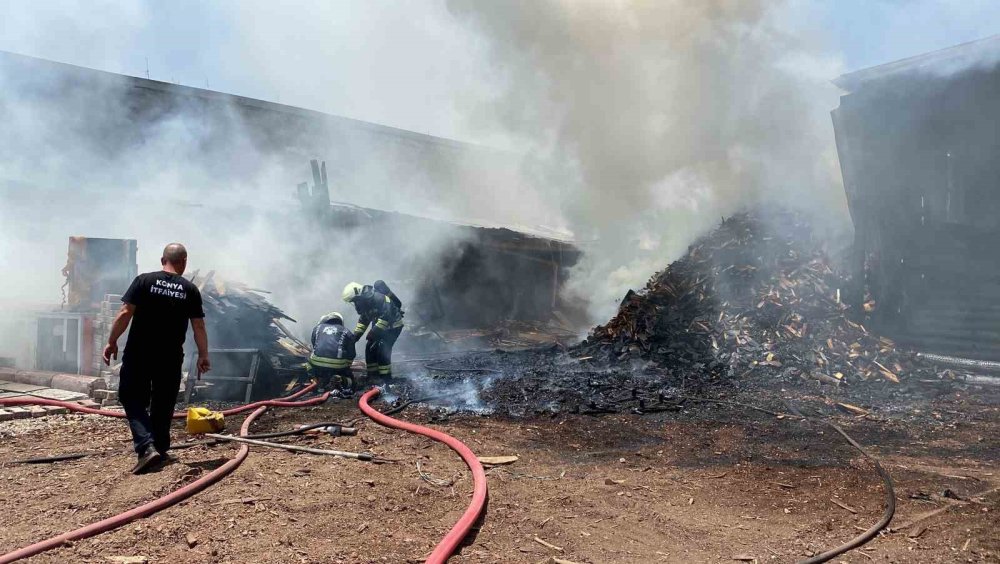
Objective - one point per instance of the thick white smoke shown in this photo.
(85, 158)
(636, 124)
(659, 117)
(91, 155)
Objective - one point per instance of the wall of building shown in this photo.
(98, 154)
(238, 140)
(918, 152)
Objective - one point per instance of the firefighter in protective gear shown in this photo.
(333, 351)
(378, 307)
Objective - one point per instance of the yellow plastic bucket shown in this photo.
(201, 420)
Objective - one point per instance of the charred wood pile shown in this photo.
(240, 317)
(752, 307)
(753, 296)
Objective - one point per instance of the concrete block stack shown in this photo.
(106, 397)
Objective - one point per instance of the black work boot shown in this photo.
(146, 460)
(385, 380)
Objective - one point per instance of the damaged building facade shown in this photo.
(918, 147)
(457, 275)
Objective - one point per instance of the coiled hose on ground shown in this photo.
(168, 500)
(870, 532)
(450, 542)
(890, 492)
(143, 510)
(342, 428)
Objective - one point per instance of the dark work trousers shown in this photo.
(148, 392)
(378, 353)
(328, 378)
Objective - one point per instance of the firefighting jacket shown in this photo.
(333, 346)
(380, 286)
(376, 309)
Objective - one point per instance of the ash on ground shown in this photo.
(753, 305)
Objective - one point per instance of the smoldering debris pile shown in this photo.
(240, 317)
(754, 305)
(752, 297)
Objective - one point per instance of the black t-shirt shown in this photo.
(163, 304)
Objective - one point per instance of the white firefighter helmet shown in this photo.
(332, 316)
(351, 291)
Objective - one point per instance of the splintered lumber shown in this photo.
(889, 375)
(497, 460)
(921, 517)
(549, 545)
(852, 409)
(238, 316)
(289, 334)
(844, 506)
(292, 348)
(759, 295)
(823, 378)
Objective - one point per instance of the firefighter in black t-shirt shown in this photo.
(158, 305)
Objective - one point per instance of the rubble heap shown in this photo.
(238, 316)
(752, 296)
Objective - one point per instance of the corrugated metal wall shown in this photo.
(920, 155)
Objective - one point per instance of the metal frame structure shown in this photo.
(65, 316)
(249, 379)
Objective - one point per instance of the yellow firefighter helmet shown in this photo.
(351, 291)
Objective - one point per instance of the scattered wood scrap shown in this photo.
(238, 316)
(920, 518)
(497, 460)
(549, 545)
(844, 506)
(752, 298)
(852, 409)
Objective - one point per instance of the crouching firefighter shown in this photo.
(378, 307)
(333, 352)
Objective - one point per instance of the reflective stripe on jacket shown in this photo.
(332, 342)
(329, 362)
(378, 309)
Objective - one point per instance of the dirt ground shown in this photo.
(710, 483)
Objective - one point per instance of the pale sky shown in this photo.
(408, 64)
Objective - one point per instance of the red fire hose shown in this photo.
(280, 402)
(169, 499)
(450, 542)
(143, 510)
